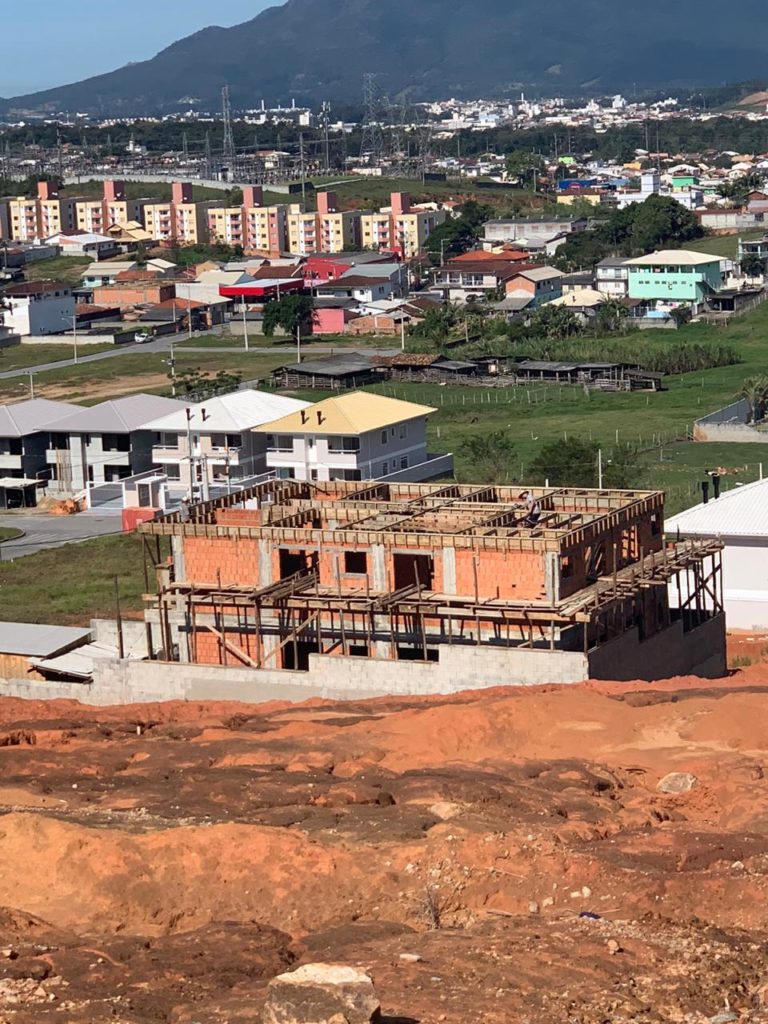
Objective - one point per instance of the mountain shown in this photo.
(313, 50)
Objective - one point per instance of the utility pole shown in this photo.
(208, 157)
(73, 321)
(326, 132)
(298, 343)
(600, 468)
(245, 327)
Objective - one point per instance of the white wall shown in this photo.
(37, 315)
(745, 582)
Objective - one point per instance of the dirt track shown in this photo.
(164, 862)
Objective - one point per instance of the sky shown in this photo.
(55, 43)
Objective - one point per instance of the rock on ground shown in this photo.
(321, 994)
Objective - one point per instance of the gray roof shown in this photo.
(612, 261)
(121, 416)
(334, 367)
(23, 418)
(29, 639)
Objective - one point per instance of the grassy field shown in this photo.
(655, 423)
(73, 584)
(90, 383)
(67, 269)
(9, 533)
(726, 246)
(22, 356)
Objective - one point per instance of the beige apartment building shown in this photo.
(328, 230)
(181, 220)
(399, 229)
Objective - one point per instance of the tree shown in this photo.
(291, 313)
(661, 222)
(526, 166)
(752, 265)
(681, 315)
(755, 390)
(554, 323)
(459, 234)
(567, 463)
(738, 189)
(490, 456)
(610, 317)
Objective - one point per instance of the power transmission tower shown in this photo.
(372, 145)
(185, 147)
(208, 157)
(230, 153)
(326, 116)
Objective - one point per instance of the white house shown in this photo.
(104, 443)
(356, 436)
(38, 307)
(738, 519)
(219, 433)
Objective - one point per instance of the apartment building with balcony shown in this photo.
(23, 443)
(213, 443)
(612, 277)
(24, 219)
(103, 444)
(355, 436)
(674, 277)
(329, 230)
(180, 220)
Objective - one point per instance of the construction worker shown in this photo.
(534, 509)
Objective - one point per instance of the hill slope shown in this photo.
(319, 49)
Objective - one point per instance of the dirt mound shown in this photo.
(495, 856)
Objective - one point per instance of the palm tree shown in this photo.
(755, 390)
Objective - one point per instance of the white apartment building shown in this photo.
(38, 307)
(213, 443)
(355, 436)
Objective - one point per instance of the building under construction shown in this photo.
(407, 588)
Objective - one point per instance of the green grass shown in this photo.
(67, 269)
(656, 423)
(90, 383)
(71, 585)
(9, 533)
(726, 246)
(21, 356)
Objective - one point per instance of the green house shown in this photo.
(674, 276)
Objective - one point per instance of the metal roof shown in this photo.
(241, 410)
(30, 639)
(120, 416)
(736, 513)
(674, 258)
(339, 366)
(356, 412)
(80, 662)
(35, 414)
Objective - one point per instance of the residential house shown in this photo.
(356, 436)
(213, 443)
(99, 275)
(23, 443)
(541, 284)
(38, 307)
(84, 243)
(755, 247)
(476, 276)
(612, 277)
(674, 277)
(321, 267)
(361, 287)
(104, 443)
(737, 520)
(534, 230)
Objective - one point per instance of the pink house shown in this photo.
(331, 320)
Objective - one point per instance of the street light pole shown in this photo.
(245, 328)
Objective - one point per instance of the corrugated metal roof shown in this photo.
(740, 512)
(675, 258)
(80, 662)
(30, 639)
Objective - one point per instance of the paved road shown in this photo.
(44, 531)
(164, 345)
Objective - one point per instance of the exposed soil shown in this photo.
(161, 863)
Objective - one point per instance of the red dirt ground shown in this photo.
(161, 863)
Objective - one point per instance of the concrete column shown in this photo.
(449, 570)
(265, 563)
(177, 550)
(379, 567)
(552, 576)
